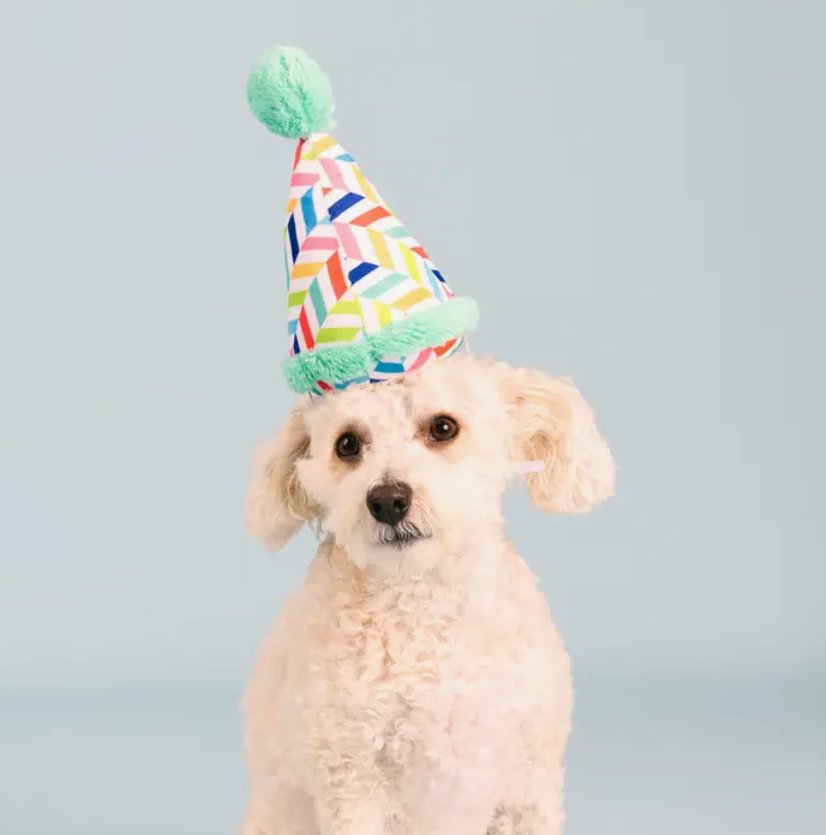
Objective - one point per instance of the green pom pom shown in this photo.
(289, 94)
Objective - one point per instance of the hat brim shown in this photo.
(341, 363)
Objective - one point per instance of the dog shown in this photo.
(416, 684)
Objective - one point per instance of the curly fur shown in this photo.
(277, 505)
(422, 690)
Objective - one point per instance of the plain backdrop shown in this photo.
(634, 193)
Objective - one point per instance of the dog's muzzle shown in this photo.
(389, 501)
(401, 535)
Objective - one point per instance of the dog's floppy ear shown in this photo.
(554, 425)
(277, 505)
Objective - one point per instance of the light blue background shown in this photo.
(633, 191)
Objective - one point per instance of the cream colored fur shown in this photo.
(421, 690)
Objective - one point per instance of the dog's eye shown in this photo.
(443, 428)
(348, 446)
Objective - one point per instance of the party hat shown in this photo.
(366, 302)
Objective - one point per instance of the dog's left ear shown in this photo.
(277, 504)
(552, 423)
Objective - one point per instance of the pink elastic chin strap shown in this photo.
(528, 467)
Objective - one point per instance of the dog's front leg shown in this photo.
(351, 817)
(535, 810)
(349, 798)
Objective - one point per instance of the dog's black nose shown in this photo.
(389, 502)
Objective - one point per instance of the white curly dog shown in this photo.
(416, 684)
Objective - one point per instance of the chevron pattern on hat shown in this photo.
(354, 271)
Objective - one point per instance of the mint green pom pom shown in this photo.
(289, 94)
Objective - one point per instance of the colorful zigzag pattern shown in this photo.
(352, 267)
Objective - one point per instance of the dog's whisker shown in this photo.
(401, 534)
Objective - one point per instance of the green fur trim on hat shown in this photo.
(340, 363)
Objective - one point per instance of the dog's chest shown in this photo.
(430, 673)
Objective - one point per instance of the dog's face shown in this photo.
(416, 467)
(395, 465)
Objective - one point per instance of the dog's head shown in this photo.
(418, 465)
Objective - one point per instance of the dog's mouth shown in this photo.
(401, 535)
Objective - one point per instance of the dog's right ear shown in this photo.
(277, 505)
